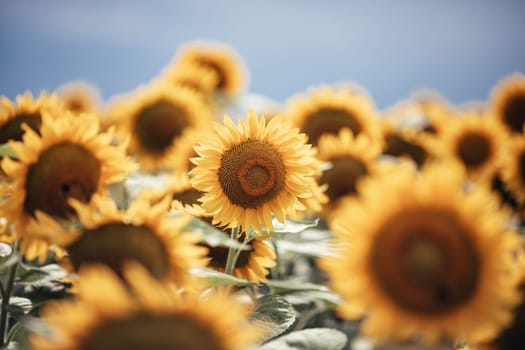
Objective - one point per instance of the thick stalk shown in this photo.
(232, 252)
(8, 288)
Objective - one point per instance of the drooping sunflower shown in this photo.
(70, 159)
(507, 101)
(351, 159)
(227, 64)
(80, 97)
(513, 170)
(473, 141)
(142, 233)
(432, 262)
(197, 77)
(155, 117)
(326, 111)
(251, 171)
(107, 316)
(25, 110)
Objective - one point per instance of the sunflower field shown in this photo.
(159, 220)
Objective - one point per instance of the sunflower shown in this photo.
(155, 117)
(143, 233)
(403, 143)
(223, 60)
(474, 141)
(197, 77)
(513, 170)
(351, 159)
(252, 171)
(70, 159)
(432, 261)
(508, 102)
(326, 111)
(25, 110)
(79, 97)
(252, 264)
(106, 315)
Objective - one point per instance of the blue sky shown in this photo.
(391, 48)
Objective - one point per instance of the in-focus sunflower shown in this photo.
(326, 111)
(473, 141)
(513, 170)
(70, 159)
(229, 67)
(155, 117)
(197, 77)
(142, 233)
(252, 171)
(80, 97)
(508, 102)
(351, 159)
(107, 316)
(25, 110)
(432, 262)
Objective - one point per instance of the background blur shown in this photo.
(391, 48)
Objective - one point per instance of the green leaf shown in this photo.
(119, 194)
(216, 278)
(212, 236)
(309, 339)
(7, 151)
(19, 306)
(288, 227)
(290, 286)
(301, 294)
(274, 315)
(5, 250)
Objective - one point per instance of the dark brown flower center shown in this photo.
(425, 261)
(12, 129)
(251, 173)
(342, 177)
(474, 149)
(521, 166)
(514, 113)
(218, 256)
(145, 332)
(397, 146)
(158, 124)
(329, 121)
(189, 196)
(63, 171)
(113, 244)
(76, 105)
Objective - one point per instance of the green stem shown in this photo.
(5, 301)
(230, 260)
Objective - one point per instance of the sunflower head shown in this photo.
(70, 159)
(508, 102)
(351, 159)
(80, 97)
(224, 61)
(155, 117)
(433, 257)
(25, 110)
(513, 169)
(140, 313)
(197, 77)
(473, 141)
(327, 111)
(252, 170)
(179, 157)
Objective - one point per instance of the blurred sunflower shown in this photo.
(155, 117)
(251, 171)
(80, 97)
(513, 170)
(142, 233)
(25, 110)
(180, 155)
(473, 141)
(432, 262)
(223, 60)
(70, 159)
(508, 102)
(326, 111)
(151, 316)
(252, 263)
(403, 143)
(351, 159)
(197, 77)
